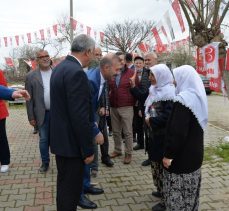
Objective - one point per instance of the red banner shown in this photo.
(29, 37)
(88, 30)
(5, 41)
(177, 10)
(42, 33)
(200, 62)
(74, 23)
(11, 41)
(227, 60)
(55, 29)
(160, 46)
(17, 39)
(9, 61)
(142, 47)
(101, 36)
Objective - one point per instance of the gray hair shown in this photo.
(82, 43)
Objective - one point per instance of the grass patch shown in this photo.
(220, 152)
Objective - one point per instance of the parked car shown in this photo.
(19, 100)
(206, 82)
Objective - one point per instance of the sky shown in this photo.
(21, 16)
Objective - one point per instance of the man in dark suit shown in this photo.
(37, 83)
(109, 66)
(11, 94)
(72, 122)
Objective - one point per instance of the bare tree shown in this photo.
(126, 36)
(64, 29)
(205, 18)
(178, 57)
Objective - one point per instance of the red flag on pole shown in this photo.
(9, 61)
(17, 39)
(29, 37)
(42, 33)
(55, 29)
(5, 41)
(177, 10)
(142, 47)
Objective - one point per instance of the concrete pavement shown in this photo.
(127, 187)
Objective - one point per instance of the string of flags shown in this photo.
(50, 32)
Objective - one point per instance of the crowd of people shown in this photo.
(73, 104)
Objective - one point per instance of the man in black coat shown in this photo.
(72, 123)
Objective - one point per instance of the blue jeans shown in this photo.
(44, 139)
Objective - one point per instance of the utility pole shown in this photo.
(71, 21)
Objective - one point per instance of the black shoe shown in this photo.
(146, 162)
(35, 131)
(94, 191)
(44, 167)
(108, 162)
(156, 194)
(159, 207)
(137, 147)
(85, 203)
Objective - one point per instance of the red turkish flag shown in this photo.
(101, 36)
(88, 30)
(9, 61)
(160, 47)
(227, 61)
(55, 29)
(177, 10)
(29, 37)
(5, 41)
(142, 47)
(42, 33)
(17, 39)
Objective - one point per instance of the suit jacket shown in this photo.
(36, 105)
(6, 93)
(71, 113)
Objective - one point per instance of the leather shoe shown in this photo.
(156, 194)
(108, 162)
(94, 191)
(85, 203)
(159, 207)
(44, 167)
(115, 154)
(137, 147)
(146, 162)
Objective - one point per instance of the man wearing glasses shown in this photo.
(37, 83)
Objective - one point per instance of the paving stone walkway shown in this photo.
(127, 187)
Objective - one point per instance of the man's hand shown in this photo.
(140, 113)
(132, 79)
(147, 122)
(89, 159)
(21, 93)
(99, 138)
(102, 111)
(167, 162)
(33, 123)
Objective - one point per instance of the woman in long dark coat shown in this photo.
(184, 142)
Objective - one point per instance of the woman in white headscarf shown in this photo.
(158, 108)
(184, 142)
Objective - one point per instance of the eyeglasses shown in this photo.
(42, 57)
